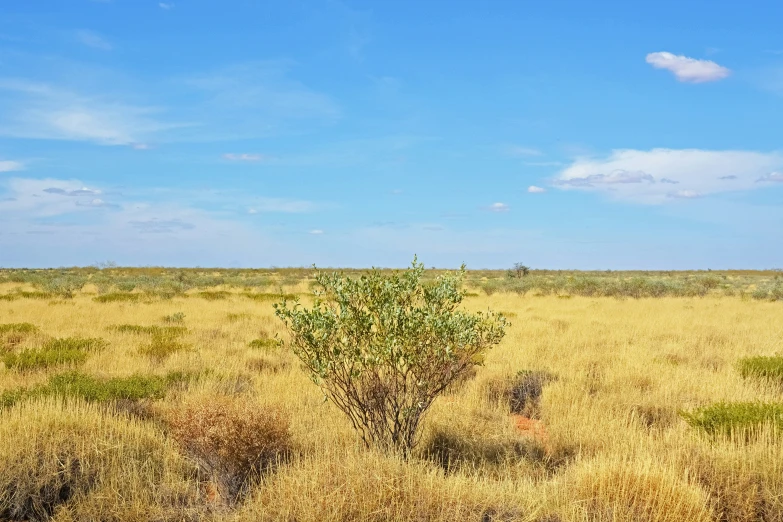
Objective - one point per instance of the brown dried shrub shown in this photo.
(234, 440)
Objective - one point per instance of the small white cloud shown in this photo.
(520, 151)
(397, 192)
(316, 232)
(141, 146)
(94, 40)
(688, 69)
(536, 190)
(84, 191)
(165, 6)
(684, 194)
(647, 176)
(498, 207)
(244, 157)
(10, 166)
(776, 177)
(617, 176)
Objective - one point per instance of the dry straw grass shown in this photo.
(610, 446)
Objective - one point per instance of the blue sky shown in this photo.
(563, 134)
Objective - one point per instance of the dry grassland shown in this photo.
(603, 441)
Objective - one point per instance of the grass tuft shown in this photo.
(726, 418)
(762, 367)
(117, 297)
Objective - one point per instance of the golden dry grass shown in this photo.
(615, 448)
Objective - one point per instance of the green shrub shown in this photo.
(55, 352)
(162, 346)
(36, 295)
(92, 344)
(762, 367)
(383, 347)
(263, 344)
(268, 296)
(177, 317)
(214, 296)
(727, 418)
(166, 331)
(117, 297)
(28, 360)
(90, 388)
(18, 328)
(8, 297)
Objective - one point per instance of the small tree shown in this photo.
(521, 270)
(382, 347)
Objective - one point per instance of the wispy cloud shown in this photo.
(259, 99)
(48, 197)
(94, 40)
(684, 194)
(10, 166)
(498, 207)
(316, 232)
(42, 111)
(244, 157)
(84, 191)
(643, 176)
(687, 69)
(521, 151)
(773, 177)
(161, 226)
(536, 190)
(165, 6)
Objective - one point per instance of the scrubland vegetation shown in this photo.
(154, 394)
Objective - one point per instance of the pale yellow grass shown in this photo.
(616, 449)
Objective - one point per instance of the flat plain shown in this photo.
(148, 394)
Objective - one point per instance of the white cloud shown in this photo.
(244, 157)
(281, 205)
(684, 194)
(688, 69)
(48, 197)
(41, 111)
(536, 190)
(10, 166)
(498, 207)
(165, 6)
(94, 40)
(776, 177)
(316, 232)
(647, 176)
(520, 151)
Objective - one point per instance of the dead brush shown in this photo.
(522, 393)
(233, 440)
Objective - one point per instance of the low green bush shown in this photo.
(93, 389)
(117, 297)
(20, 328)
(214, 295)
(762, 367)
(176, 317)
(162, 346)
(71, 351)
(165, 331)
(268, 296)
(28, 360)
(264, 344)
(726, 418)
